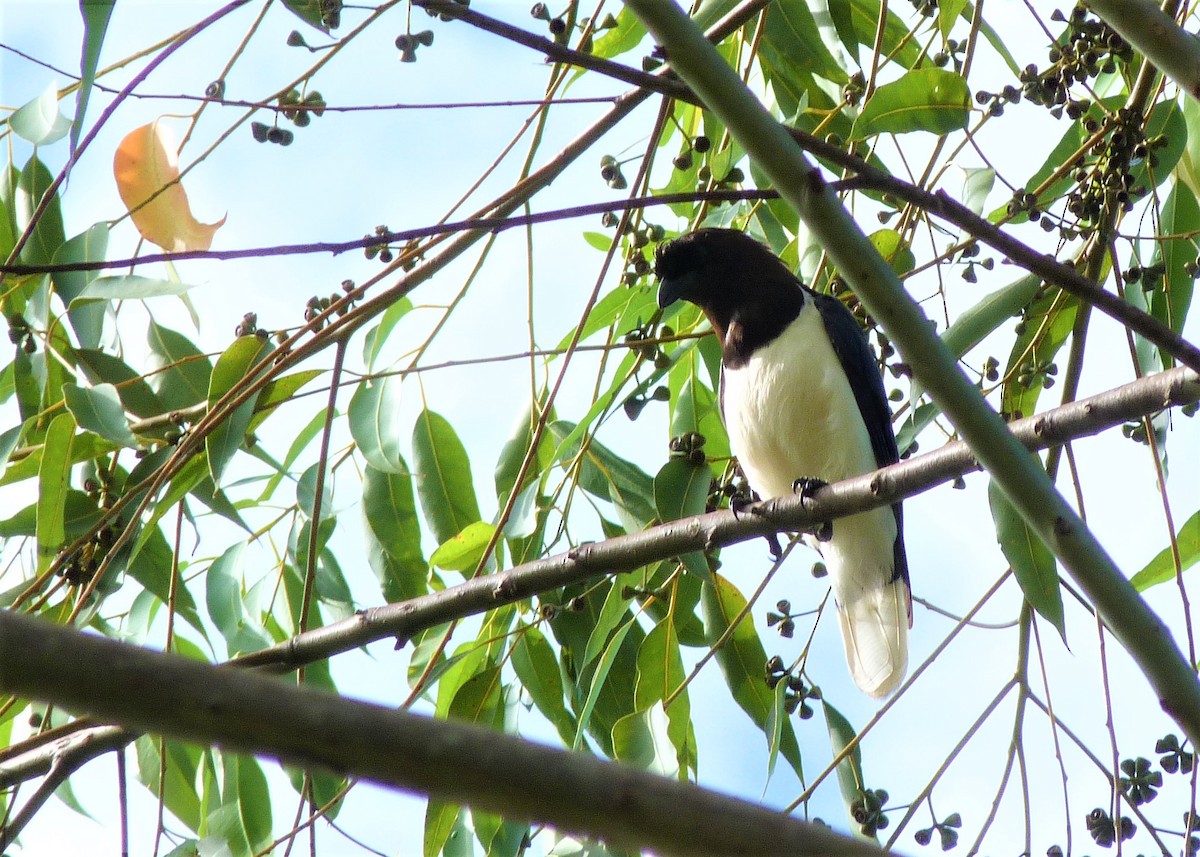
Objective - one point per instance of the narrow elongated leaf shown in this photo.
(1172, 298)
(741, 660)
(443, 472)
(243, 820)
(849, 770)
(375, 422)
(680, 491)
(127, 287)
(793, 46)
(393, 534)
(90, 246)
(96, 14)
(1033, 563)
(54, 477)
(47, 235)
(1162, 568)
(98, 409)
(928, 99)
(536, 666)
(179, 783)
(237, 362)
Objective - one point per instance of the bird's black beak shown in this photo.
(670, 290)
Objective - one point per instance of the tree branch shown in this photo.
(251, 713)
(1070, 422)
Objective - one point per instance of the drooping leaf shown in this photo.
(179, 372)
(47, 235)
(54, 478)
(680, 491)
(39, 121)
(895, 249)
(536, 666)
(86, 320)
(742, 660)
(1171, 298)
(849, 770)
(792, 43)
(393, 534)
(243, 819)
(146, 167)
(240, 360)
(443, 476)
(375, 421)
(226, 603)
(98, 409)
(604, 474)
(1162, 568)
(96, 14)
(1033, 563)
(927, 99)
(179, 783)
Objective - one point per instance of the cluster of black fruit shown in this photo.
(407, 44)
(317, 305)
(20, 334)
(640, 237)
(699, 144)
(558, 25)
(1104, 831)
(867, 811)
(689, 446)
(1087, 48)
(796, 693)
(947, 831)
(1107, 186)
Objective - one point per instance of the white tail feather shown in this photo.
(875, 633)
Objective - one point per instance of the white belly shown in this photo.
(790, 413)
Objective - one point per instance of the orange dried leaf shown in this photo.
(146, 165)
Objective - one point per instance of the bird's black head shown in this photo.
(746, 292)
(712, 267)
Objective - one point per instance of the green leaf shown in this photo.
(742, 659)
(641, 739)
(393, 534)
(375, 422)
(849, 770)
(660, 676)
(98, 409)
(243, 820)
(240, 360)
(179, 784)
(793, 46)
(48, 235)
(54, 479)
(443, 474)
(281, 390)
(1172, 297)
(136, 396)
(680, 491)
(608, 476)
(441, 819)
(626, 36)
(1033, 563)
(603, 666)
(179, 372)
(928, 99)
(536, 666)
(843, 22)
(1162, 568)
(39, 121)
(464, 551)
(127, 287)
(378, 335)
(624, 307)
(227, 605)
(893, 248)
(948, 14)
(1046, 324)
(897, 41)
(96, 14)
(977, 184)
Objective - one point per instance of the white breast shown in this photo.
(790, 412)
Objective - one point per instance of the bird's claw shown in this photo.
(806, 486)
(739, 504)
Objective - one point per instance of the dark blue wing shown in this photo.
(858, 362)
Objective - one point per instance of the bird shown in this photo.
(803, 403)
